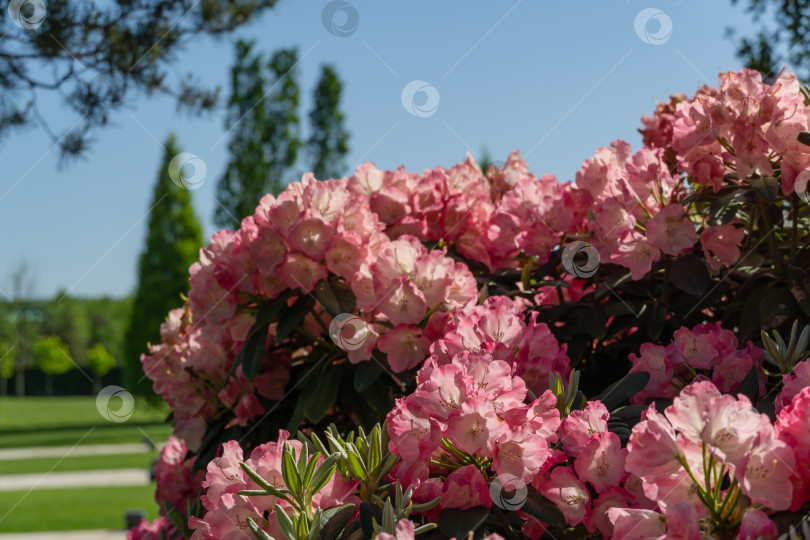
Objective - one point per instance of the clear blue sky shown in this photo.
(554, 79)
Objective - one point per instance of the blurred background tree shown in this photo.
(783, 27)
(264, 131)
(173, 241)
(100, 362)
(328, 141)
(52, 358)
(94, 55)
(8, 355)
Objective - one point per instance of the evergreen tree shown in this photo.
(264, 126)
(173, 241)
(93, 55)
(328, 143)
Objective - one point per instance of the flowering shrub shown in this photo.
(562, 360)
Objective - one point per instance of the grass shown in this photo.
(79, 463)
(65, 421)
(73, 509)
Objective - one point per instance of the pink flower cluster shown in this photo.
(188, 367)
(744, 126)
(474, 404)
(175, 483)
(705, 349)
(227, 511)
(497, 326)
(793, 384)
(696, 459)
(488, 218)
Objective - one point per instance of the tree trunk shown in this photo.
(19, 386)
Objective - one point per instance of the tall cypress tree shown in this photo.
(328, 143)
(173, 241)
(265, 132)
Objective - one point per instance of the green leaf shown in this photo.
(289, 471)
(724, 209)
(776, 307)
(293, 316)
(766, 187)
(176, 519)
(690, 275)
(616, 393)
(311, 464)
(749, 386)
(257, 531)
(286, 524)
(539, 507)
(356, 466)
(322, 474)
(272, 308)
(455, 523)
(804, 138)
(252, 352)
(368, 514)
(334, 520)
(209, 445)
(335, 296)
(655, 321)
(321, 395)
(365, 374)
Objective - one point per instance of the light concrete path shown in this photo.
(71, 535)
(72, 451)
(75, 479)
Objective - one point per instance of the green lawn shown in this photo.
(79, 463)
(64, 421)
(73, 509)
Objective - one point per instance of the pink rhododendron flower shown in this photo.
(756, 525)
(569, 494)
(601, 461)
(671, 231)
(721, 244)
(634, 524)
(465, 488)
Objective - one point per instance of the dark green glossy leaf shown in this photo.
(749, 386)
(539, 507)
(333, 520)
(365, 374)
(455, 523)
(690, 275)
(724, 209)
(615, 394)
(293, 316)
(766, 187)
(321, 395)
(804, 138)
(369, 512)
(335, 296)
(655, 321)
(252, 352)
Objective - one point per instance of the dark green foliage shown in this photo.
(328, 142)
(264, 128)
(781, 37)
(173, 241)
(96, 54)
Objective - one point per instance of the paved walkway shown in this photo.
(75, 479)
(73, 451)
(72, 535)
